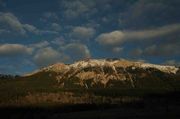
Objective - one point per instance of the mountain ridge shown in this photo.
(117, 62)
(103, 73)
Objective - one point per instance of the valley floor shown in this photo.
(134, 111)
(155, 106)
(32, 99)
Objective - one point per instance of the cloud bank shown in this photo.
(14, 50)
(119, 37)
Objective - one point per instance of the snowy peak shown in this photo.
(167, 69)
(102, 73)
(122, 63)
(61, 67)
(92, 63)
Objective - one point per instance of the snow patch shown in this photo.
(166, 69)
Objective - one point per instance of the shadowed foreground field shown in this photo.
(155, 106)
(42, 99)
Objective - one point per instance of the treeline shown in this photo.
(8, 76)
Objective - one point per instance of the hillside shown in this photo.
(106, 73)
(91, 89)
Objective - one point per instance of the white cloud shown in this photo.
(46, 56)
(55, 27)
(111, 38)
(3, 31)
(14, 50)
(117, 49)
(83, 33)
(41, 44)
(36, 31)
(9, 22)
(12, 22)
(71, 52)
(77, 8)
(43, 54)
(74, 8)
(46, 32)
(31, 29)
(50, 15)
(146, 13)
(119, 37)
(163, 50)
(77, 51)
(172, 62)
(58, 41)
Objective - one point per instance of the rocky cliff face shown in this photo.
(105, 73)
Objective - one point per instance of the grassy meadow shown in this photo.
(34, 97)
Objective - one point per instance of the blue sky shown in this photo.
(38, 33)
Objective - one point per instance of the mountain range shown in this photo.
(110, 73)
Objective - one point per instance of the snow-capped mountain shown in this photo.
(108, 73)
